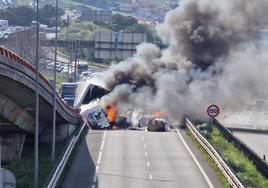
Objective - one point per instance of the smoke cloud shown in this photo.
(212, 58)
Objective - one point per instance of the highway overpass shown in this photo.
(17, 105)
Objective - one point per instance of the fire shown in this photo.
(157, 114)
(111, 111)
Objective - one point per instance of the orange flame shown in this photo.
(111, 115)
(157, 114)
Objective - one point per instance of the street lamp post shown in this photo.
(36, 141)
(54, 90)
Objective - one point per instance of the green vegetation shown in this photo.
(24, 168)
(158, 2)
(100, 3)
(60, 78)
(23, 16)
(130, 24)
(236, 159)
(211, 162)
(51, 2)
(81, 31)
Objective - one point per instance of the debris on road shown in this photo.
(98, 117)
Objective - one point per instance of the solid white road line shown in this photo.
(99, 157)
(195, 160)
(102, 145)
(95, 174)
(104, 135)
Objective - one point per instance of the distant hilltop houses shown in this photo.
(7, 3)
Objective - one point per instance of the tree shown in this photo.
(23, 43)
(119, 22)
(146, 29)
(21, 16)
(48, 15)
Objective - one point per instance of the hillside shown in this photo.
(75, 2)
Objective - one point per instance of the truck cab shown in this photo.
(68, 93)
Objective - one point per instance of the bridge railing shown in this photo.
(55, 175)
(228, 173)
(14, 57)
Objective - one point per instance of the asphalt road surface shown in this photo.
(257, 142)
(127, 158)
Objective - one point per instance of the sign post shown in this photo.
(213, 111)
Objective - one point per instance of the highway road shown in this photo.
(127, 158)
(257, 142)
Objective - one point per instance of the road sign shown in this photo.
(213, 110)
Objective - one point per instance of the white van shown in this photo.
(94, 116)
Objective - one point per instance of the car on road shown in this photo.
(86, 75)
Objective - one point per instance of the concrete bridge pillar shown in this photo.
(11, 146)
(15, 114)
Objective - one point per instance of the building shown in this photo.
(96, 15)
(3, 25)
(117, 45)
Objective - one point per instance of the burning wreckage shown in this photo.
(96, 116)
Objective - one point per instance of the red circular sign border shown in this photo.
(213, 105)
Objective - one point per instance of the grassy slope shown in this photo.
(61, 2)
(70, 2)
(60, 78)
(24, 169)
(235, 158)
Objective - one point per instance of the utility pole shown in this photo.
(36, 140)
(54, 89)
(75, 66)
(1, 179)
(68, 46)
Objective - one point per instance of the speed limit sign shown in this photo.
(213, 110)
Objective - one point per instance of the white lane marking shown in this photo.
(150, 176)
(195, 160)
(102, 145)
(99, 157)
(104, 135)
(145, 154)
(95, 174)
(144, 146)
(148, 164)
(143, 138)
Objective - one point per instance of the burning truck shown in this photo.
(98, 117)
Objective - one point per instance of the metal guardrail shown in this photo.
(228, 173)
(61, 165)
(262, 165)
